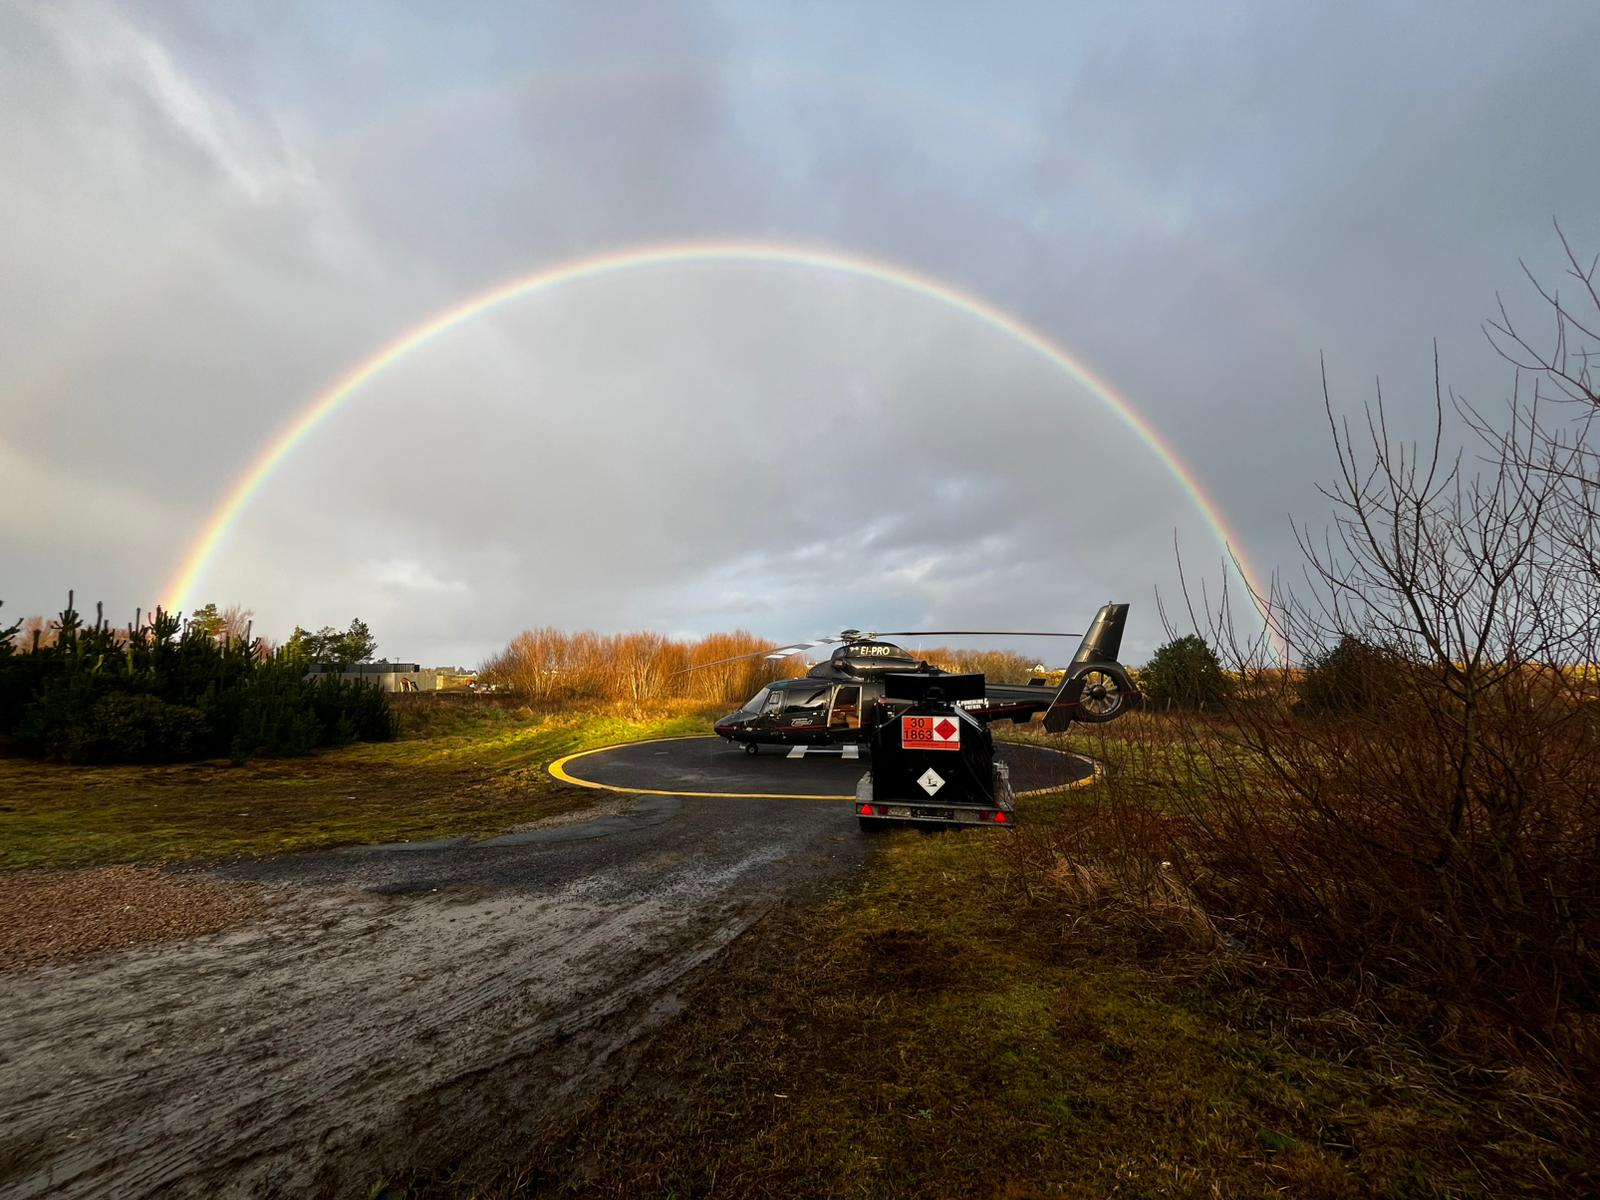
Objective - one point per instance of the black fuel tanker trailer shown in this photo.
(932, 761)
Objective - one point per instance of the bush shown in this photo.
(79, 726)
(140, 728)
(1348, 678)
(1185, 674)
(274, 714)
(1431, 854)
(351, 709)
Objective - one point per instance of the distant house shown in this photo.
(390, 676)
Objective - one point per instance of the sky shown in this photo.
(212, 212)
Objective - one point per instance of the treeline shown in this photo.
(162, 689)
(997, 666)
(550, 665)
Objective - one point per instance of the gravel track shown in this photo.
(395, 1007)
(392, 1007)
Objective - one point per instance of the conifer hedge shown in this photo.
(160, 690)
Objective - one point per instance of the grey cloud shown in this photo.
(210, 215)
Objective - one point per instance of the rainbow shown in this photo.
(180, 589)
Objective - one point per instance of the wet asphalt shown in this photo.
(813, 841)
(709, 766)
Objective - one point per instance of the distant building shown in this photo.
(454, 679)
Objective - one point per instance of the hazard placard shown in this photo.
(930, 733)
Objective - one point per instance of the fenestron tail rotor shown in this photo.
(1103, 696)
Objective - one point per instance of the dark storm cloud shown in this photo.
(210, 213)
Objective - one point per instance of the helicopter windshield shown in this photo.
(755, 702)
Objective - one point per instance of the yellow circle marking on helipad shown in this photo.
(559, 770)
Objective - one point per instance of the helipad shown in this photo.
(709, 766)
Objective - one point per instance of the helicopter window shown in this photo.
(774, 699)
(755, 702)
(816, 699)
(846, 709)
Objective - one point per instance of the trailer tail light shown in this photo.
(865, 810)
(1000, 818)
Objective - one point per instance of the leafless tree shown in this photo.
(1442, 837)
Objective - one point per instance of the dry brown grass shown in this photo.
(1316, 856)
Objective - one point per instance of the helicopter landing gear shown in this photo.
(751, 748)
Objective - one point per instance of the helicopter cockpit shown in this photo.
(801, 701)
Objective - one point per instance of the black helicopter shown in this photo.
(832, 704)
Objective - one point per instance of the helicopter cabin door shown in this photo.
(846, 707)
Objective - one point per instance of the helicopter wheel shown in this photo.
(751, 748)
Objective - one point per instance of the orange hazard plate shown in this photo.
(930, 733)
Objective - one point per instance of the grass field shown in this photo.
(964, 1021)
(456, 769)
(949, 1028)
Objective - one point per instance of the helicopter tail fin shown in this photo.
(1103, 641)
(1094, 669)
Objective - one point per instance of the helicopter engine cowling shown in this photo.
(871, 658)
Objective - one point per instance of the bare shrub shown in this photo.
(1434, 844)
(722, 672)
(237, 623)
(1423, 841)
(551, 666)
(531, 665)
(997, 666)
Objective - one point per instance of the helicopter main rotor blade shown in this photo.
(968, 633)
(786, 651)
(780, 652)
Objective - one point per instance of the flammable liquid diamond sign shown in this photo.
(931, 781)
(930, 733)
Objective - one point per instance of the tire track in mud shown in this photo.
(352, 1029)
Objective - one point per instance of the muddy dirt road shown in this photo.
(398, 1007)
(398, 1004)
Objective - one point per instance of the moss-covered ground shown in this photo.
(456, 769)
